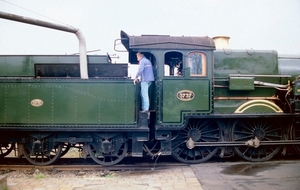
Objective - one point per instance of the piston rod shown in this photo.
(191, 144)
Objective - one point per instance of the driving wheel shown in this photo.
(199, 130)
(261, 129)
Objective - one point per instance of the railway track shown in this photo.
(79, 164)
(82, 165)
(72, 161)
(87, 167)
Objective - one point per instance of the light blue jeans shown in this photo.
(145, 95)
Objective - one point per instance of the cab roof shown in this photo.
(166, 42)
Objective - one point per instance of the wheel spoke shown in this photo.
(295, 135)
(209, 137)
(245, 126)
(41, 157)
(243, 132)
(181, 151)
(244, 153)
(264, 130)
(273, 130)
(109, 158)
(210, 131)
(199, 131)
(179, 144)
(6, 149)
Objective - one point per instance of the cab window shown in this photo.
(173, 64)
(197, 63)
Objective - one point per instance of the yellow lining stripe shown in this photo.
(253, 103)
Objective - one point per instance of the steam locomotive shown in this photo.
(204, 102)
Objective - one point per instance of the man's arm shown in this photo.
(141, 69)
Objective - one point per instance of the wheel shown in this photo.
(295, 135)
(265, 130)
(40, 153)
(65, 148)
(206, 130)
(6, 149)
(109, 151)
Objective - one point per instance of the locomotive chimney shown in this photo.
(221, 42)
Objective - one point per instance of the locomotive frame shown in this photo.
(204, 102)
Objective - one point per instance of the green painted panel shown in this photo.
(16, 66)
(14, 104)
(70, 103)
(241, 83)
(43, 92)
(227, 106)
(245, 62)
(173, 107)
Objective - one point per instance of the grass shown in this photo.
(39, 176)
(109, 175)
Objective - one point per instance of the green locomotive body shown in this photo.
(46, 91)
(203, 102)
(238, 75)
(60, 102)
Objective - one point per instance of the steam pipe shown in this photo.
(270, 84)
(82, 55)
(77, 32)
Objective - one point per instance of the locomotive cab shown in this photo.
(183, 74)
